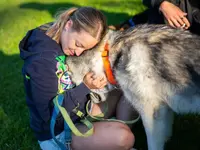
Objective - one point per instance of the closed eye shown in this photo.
(78, 44)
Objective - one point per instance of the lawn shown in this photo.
(17, 17)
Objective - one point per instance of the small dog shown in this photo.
(156, 67)
(137, 19)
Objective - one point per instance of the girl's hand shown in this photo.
(93, 82)
(174, 15)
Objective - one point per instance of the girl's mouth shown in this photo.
(71, 52)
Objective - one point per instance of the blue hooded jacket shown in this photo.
(39, 53)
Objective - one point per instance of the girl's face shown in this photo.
(75, 43)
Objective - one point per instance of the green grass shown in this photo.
(17, 17)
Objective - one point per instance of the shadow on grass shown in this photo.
(112, 18)
(14, 119)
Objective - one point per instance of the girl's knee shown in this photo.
(121, 135)
(125, 139)
(107, 135)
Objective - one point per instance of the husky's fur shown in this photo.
(157, 68)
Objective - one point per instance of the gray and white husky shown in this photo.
(156, 67)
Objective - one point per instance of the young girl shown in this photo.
(75, 31)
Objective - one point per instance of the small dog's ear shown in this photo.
(123, 26)
(111, 27)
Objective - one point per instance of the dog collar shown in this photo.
(107, 66)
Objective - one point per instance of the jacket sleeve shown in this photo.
(153, 3)
(44, 86)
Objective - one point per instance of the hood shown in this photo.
(36, 42)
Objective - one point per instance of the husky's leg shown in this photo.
(157, 120)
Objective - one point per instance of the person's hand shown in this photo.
(174, 15)
(94, 82)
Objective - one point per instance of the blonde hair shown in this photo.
(85, 18)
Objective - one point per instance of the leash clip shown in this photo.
(78, 112)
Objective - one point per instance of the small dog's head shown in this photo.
(119, 27)
(123, 26)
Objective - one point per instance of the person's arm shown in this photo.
(152, 3)
(156, 3)
(174, 15)
(44, 86)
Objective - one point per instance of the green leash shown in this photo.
(100, 117)
(61, 89)
(70, 123)
(84, 119)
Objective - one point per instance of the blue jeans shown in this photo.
(51, 144)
